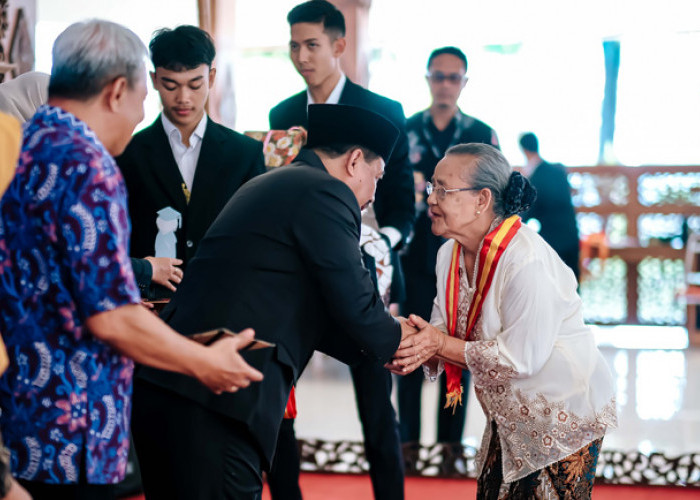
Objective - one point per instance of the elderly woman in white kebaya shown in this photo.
(507, 310)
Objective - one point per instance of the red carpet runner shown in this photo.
(358, 487)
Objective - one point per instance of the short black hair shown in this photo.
(528, 141)
(182, 48)
(319, 11)
(453, 51)
(338, 149)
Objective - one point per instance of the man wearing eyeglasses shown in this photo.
(430, 133)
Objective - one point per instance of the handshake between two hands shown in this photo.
(420, 342)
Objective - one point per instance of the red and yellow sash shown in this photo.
(490, 253)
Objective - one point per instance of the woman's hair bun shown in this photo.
(519, 195)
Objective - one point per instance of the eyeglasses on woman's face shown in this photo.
(442, 193)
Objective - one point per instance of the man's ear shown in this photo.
(353, 162)
(212, 75)
(339, 46)
(153, 79)
(115, 92)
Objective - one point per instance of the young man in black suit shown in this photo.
(184, 160)
(283, 256)
(553, 208)
(316, 45)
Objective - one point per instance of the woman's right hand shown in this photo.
(416, 349)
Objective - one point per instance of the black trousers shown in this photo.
(80, 491)
(449, 427)
(380, 429)
(283, 478)
(188, 452)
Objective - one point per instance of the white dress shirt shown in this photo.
(536, 369)
(185, 157)
(334, 97)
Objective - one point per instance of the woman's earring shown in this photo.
(478, 212)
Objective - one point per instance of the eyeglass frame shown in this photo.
(430, 187)
(453, 78)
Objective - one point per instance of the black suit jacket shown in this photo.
(227, 159)
(554, 210)
(283, 258)
(394, 200)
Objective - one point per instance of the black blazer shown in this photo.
(554, 209)
(227, 159)
(394, 200)
(283, 258)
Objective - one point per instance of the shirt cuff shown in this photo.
(392, 233)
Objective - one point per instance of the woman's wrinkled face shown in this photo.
(452, 212)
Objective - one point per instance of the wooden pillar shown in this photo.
(355, 61)
(16, 51)
(207, 15)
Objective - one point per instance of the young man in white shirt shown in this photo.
(184, 160)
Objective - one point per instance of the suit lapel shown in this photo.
(161, 161)
(350, 94)
(299, 109)
(207, 174)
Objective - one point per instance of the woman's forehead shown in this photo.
(452, 166)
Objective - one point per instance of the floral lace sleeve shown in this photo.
(483, 360)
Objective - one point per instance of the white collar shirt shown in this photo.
(334, 97)
(185, 157)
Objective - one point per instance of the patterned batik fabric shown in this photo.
(64, 231)
(568, 479)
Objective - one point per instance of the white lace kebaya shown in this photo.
(535, 367)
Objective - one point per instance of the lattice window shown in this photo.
(604, 291)
(658, 283)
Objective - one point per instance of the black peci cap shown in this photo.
(342, 124)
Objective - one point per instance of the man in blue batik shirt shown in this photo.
(71, 317)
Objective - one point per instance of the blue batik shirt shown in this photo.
(64, 238)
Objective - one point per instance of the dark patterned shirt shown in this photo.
(64, 233)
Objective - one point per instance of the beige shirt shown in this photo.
(10, 139)
(535, 367)
(10, 142)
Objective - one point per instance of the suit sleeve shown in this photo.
(258, 162)
(272, 117)
(277, 118)
(143, 272)
(395, 200)
(327, 232)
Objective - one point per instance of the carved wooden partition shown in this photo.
(635, 274)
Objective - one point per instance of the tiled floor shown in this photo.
(658, 394)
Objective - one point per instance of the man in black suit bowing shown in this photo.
(283, 256)
(184, 161)
(316, 45)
